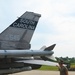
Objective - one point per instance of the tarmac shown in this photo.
(39, 72)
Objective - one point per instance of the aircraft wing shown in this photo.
(39, 62)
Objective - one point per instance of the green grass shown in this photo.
(52, 68)
(72, 65)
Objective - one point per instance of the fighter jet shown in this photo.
(15, 53)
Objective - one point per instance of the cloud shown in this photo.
(57, 24)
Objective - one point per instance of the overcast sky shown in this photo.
(56, 25)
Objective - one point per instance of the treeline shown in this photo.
(67, 59)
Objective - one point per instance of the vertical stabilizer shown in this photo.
(18, 35)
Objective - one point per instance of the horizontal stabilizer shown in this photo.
(50, 47)
(39, 62)
(43, 48)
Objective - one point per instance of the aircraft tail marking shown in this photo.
(19, 33)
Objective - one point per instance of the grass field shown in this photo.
(52, 68)
(72, 65)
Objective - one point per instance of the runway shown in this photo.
(39, 72)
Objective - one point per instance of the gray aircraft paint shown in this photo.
(23, 53)
(15, 55)
(18, 35)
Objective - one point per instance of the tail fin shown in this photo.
(18, 35)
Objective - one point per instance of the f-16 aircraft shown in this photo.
(15, 53)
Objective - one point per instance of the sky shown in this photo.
(56, 25)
